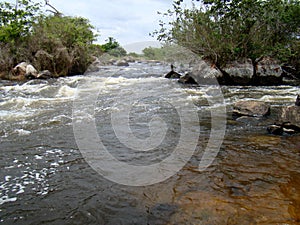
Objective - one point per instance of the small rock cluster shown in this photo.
(263, 72)
(25, 70)
(288, 119)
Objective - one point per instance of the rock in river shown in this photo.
(289, 121)
(251, 108)
(172, 74)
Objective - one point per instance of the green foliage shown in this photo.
(113, 48)
(222, 31)
(54, 33)
(16, 20)
(133, 54)
(61, 44)
(117, 52)
(111, 44)
(71, 31)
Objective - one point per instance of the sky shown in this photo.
(128, 21)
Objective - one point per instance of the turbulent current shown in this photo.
(124, 145)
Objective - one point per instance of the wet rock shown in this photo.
(297, 103)
(240, 72)
(291, 76)
(95, 66)
(251, 108)
(172, 74)
(187, 79)
(275, 129)
(122, 63)
(267, 72)
(129, 59)
(285, 128)
(45, 74)
(248, 120)
(24, 70)
(291, 114)
(289, 122)
(203, 73)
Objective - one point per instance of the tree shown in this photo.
(113, 48)
(61, 44)
(225, 30)
(16, 20)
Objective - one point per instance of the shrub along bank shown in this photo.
(61, 44)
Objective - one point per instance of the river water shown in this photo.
(47, 176)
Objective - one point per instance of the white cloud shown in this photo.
(128, 21)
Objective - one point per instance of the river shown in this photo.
(50, 176)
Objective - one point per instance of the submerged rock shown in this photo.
(284, 128)
(251, 108)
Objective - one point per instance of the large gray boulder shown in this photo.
(291, 114)
(122, 63)
(24, 70)
(289, 121)
(204, 73)
(267, 72)
(240, 72)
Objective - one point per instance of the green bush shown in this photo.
(61, 44)
(74, 34)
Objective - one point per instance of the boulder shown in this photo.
(291, 114)
(122, 63)
(31, 71)
(289, 121)
(20, 69)
(251, 108)
(240, 72)
(172, 74)
(94, 66)
(267, 72)
(45, 74)
(64, 61)
(297, 103)
(24, 70)
(187, 79)
(203, 73)
(129, 59)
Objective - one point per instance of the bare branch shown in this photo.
(54, 11)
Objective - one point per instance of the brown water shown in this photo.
(255, 178)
